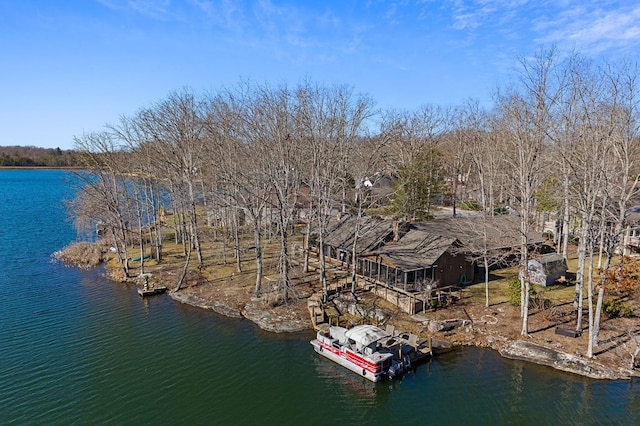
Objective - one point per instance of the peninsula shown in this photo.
(463, 320)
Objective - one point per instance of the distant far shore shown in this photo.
(30, 157)
(39, 168)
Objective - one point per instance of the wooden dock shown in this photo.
(323, 316)
(421, 350)
(151, 291)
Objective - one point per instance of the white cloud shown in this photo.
(592, 26)
(592, 29)
(473, 14)
(151, 8)
(155, 9)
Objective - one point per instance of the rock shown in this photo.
(270, 321)
(201, 303)
(445, 325)
(253, 311)
(531, 352)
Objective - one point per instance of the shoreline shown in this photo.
(40, 168)
(465, 334)
(463, 323)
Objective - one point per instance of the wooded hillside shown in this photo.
(31, 156)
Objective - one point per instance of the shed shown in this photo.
(547, 269)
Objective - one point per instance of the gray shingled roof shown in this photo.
(373, 233)
(423, 243)
(502, 231)
(416, 250)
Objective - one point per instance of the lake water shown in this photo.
(76, 348)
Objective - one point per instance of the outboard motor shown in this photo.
(406, 362)
(396, 369)
(392, 372)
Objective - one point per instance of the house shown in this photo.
(409, 255)
(372, 234)
(417, 259)
(631, 238)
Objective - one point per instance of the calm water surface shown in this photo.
(78, 349)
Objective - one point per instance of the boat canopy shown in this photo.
(366, 334)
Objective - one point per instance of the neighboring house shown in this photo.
(631, 238)
(382, 187)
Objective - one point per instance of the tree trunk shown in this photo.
(565, 217)
(486, 281)
(194, 222)
(354, 251)
(141, 236)
(236, 239)
(257, 239)
(121, 253)
(323, 268)
(596, 322)
(305, 248)
(185, 269)
(577, 303)
(525, 310)
(590, 304)
(284, 262)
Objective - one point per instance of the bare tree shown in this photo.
(144, 172)
(232, 130)
(589, 162)
(621, 117)
(367, 171)
(278, 151)
(175, 127)
(104, 199)
(456, 148)
(330, 121)
(525, 113)
(474, 131)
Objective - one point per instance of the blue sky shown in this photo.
(70, 66)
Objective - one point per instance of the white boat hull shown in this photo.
(357, 349)
(342, 360)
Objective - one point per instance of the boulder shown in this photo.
(201, 303)
(271, 321)
(531, 352)
(445, 325)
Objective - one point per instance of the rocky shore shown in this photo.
(268, 320)
(461, 324)
(527, 351)
(492, 328)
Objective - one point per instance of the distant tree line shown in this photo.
(31, 156)
(561, 143)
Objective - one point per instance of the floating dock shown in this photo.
(151, 291)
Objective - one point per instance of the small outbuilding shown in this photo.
(546, 269)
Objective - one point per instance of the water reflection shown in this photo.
(349, 384)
